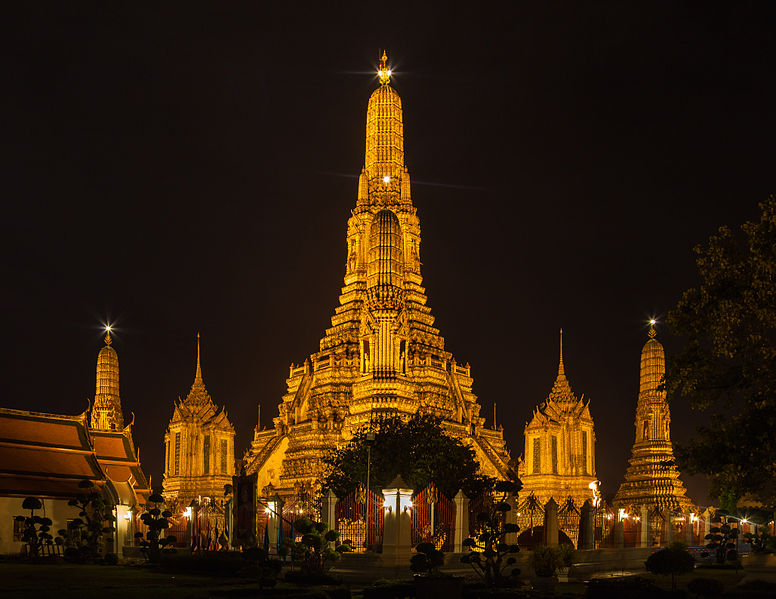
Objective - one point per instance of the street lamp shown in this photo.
(370, 438)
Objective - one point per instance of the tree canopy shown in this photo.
(417, 448)
(727, 366)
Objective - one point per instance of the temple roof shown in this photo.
(561, 401)
(198, 404)
(45, 455)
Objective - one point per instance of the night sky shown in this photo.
(191, 168)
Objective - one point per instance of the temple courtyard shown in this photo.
(68, 581)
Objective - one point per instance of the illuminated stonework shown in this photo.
(106, 413)
(652, 478)
(199, 446)
(382, 353)
(559, 446)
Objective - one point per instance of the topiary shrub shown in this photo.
(36, 529)
(427, 559)
(673, 560)
(86, 534)
(313, 550)
(489, 553)
(156, 520)
(722, 540)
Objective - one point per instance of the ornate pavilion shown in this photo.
(382, 353)
(559, 447)
(199, 446)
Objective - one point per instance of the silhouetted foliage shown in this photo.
(36, 528)
(85, 536)
(489, 553)
(156, 519)
(728, 363)
(417, 448)
(673, 560)
(427, 559)
(313, 550)
(722, 539)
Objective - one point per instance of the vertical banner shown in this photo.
(244, 503)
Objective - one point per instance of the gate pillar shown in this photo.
(397, 534)
(328, 511)
(586, 526)
(273, 522)
(551, 523)
(644, 540)
(511, 518)
(461, 520)
(689, 536)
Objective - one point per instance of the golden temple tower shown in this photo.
(199, 446)
(382, 353)
(652, 478)
(106, 412)
(559, 446)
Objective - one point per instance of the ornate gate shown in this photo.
(433, 519)
(351, 516)
(568, 520)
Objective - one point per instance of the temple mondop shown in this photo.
(382, 353)
(559, 446)
(199, 446)
(652, 478)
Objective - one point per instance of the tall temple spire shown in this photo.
(561, 369)
(198, 393)
(384, 179)
(652, 479)
(106, 413)
(198, 374)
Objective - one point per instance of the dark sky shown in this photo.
(192, 167)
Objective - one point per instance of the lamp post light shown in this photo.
(370, 438)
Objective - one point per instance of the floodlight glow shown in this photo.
(386, 179)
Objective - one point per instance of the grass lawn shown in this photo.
(70, 581)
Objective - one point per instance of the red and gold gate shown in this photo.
(351, 518)
(433, 519)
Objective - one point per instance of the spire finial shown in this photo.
(561, 370)
(108, 340)
(383, 70)
(198, 375)
(652, 332)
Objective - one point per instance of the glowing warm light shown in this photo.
(744, 521)
(108, 328)
(188, 513)
(127, 516)
(652, 321)
(622, 514)
(386, 179)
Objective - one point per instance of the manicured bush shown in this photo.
(427, 559)
(673, 560)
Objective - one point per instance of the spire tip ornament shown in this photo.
(383, 70)
(108, 330)
(652, 332)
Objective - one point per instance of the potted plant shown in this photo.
(564, 554)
